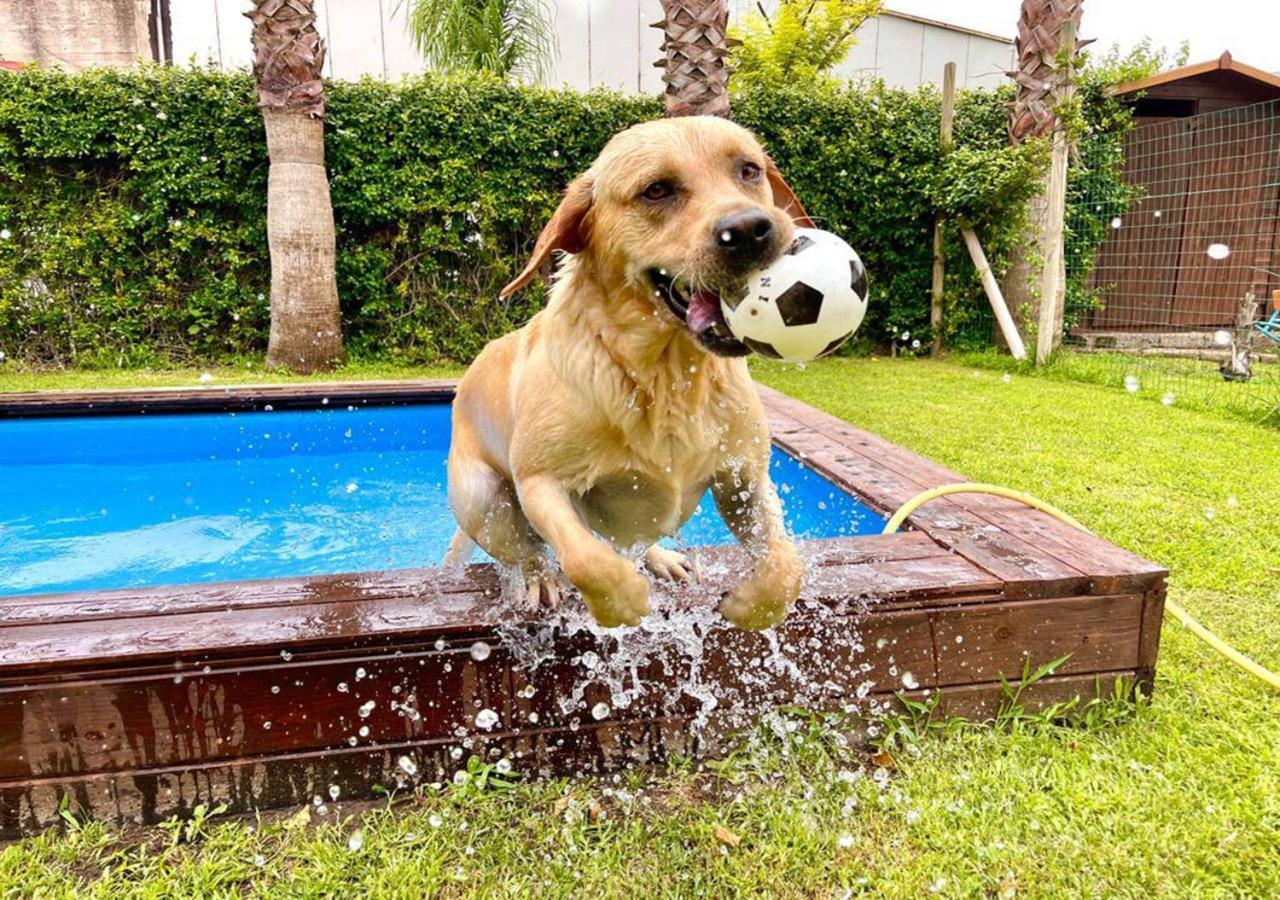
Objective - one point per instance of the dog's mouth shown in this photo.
(699, 310)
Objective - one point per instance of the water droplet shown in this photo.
(909, 681)
(205, 377)
(434, 820)
(1006, 378)
(1116, 222)
(486, 719)
(845, 841)
(275, 688)
(259, 860)
(408, 766)
(366, 708)
(600, 711)
(352, 487)
(334, 791)
(1132, 384)
(1222, 338)
(1167, 399)
(1232, 501)
(1209, 513)
(360, 673)
(286, 655)
(364, 731)
(356, 841)
(342, 687)
(480, 651)
(1218, 251)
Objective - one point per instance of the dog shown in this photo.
(597, 427)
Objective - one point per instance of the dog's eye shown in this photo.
(750, 172)
(659, 190)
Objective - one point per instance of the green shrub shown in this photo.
(132, 204)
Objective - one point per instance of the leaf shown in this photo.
(884, 759)
(727, 837)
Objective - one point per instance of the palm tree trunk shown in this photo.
(695, 47)
(306, 327)
(1040, 80)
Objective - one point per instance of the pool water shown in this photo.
(132, 501)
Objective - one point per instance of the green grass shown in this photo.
(1184, 383)
(19, 378)
(1179, 797)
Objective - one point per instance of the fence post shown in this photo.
(1053, 273)
(939, 262)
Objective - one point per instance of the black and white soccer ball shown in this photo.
(806, 304)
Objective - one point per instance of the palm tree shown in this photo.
(306, 328)
(507, 38)
(1041, 80)
(695, 48)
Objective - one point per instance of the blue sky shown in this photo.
(1250, 29)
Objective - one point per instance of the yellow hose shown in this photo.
(1231, 653)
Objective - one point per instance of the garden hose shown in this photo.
(1218, 644)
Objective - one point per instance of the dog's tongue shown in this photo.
(704, 311)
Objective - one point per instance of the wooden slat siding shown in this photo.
(1149, 643)
(1108, 569)
(29, 648)
(220, 398)
(249, 784)
(260, 710)
(257, 712)
(47, 609)
(1136, 269)
(1027, 571)
(117, 654)
(1231, 193)
(1098, 633)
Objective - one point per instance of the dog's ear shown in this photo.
(785, 198)
(567, 230)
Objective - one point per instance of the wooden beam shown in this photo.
(992, 287)
(939, 261)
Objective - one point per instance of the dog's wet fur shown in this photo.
(598, 425)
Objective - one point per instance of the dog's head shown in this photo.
(679, 211)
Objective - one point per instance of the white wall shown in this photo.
(602, 43)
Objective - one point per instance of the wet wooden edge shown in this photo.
(971, 569)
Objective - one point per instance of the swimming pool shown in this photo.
(102, 502)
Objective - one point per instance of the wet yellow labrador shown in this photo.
(595, 428)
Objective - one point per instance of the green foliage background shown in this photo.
(132, 205)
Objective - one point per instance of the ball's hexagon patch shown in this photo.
(802, 242)
(834, 345)
(799, 304)
(858, 277)
(762, 348)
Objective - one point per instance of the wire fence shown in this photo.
(1179, 297)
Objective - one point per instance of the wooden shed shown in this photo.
(1205, 157)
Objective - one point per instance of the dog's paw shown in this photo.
(753, 606)
(669, 564)
(624, 600)
(545, 588)
(764, 599)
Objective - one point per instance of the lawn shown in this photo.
(1178, 797)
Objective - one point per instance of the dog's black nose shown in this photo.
(744, 234)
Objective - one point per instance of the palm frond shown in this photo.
(509, 38)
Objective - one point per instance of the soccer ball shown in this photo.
(807, 303)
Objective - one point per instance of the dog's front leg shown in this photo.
(615, 593)
(749, 505)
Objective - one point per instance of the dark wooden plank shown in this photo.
(210, 398)
(1152, 621)
(404, 607)
(248, 784)
(982, 643)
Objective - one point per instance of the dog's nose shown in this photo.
(744, 234)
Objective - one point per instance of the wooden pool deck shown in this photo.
(139, 704)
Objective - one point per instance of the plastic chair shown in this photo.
(1270, 328)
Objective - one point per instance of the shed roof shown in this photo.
(1223, 63)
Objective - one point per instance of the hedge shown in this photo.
(132, 205)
